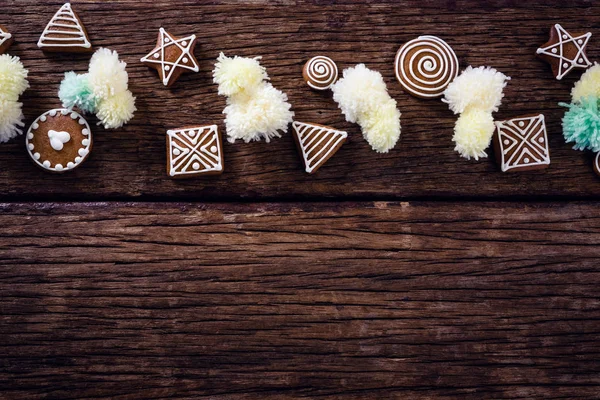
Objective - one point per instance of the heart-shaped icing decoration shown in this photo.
(58, 139)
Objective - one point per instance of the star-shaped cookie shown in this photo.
(5, 39)
(565, 51)
(172, 56)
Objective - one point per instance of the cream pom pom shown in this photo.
(13, 77)
(473, 133)
(362, 96)
(238, 74)
(480, 87)
(107, 75)
(261, 114)
(11, 119)
(116, 110)
(588, 85)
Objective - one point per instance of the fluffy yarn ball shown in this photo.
(260, 115)
(238, 74)
(76, 91)
(480, 87)
(362, 96)
(107, 75)
(581, 124)
(473, 133)
(11, 119)
(588, 85)
(13, 77)
(116, 110)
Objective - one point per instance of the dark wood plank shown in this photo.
(274, 301)
(130, 163)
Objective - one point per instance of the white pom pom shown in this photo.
(107, 75)
(381, 127)
(261, 114)
(480, 87)
(116, 110)
(11, 119)
(473, 133)
(13, 77)
(238, 74)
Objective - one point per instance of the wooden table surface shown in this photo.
(409, 275)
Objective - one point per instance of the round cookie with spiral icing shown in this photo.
(59, 140)
(320, 72)
(425, 66)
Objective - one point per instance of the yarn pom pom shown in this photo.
(11, 119)
(362, 96)
(13, 77)
(107, 75)
(581, 124)
(588, 85)
(473, 133)
(480, 87)
(116, 110)
(75, 91)
(238, 74)
(262, 114)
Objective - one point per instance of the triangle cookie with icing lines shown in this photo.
(317, 143)
(65, 33)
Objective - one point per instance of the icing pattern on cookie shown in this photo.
(59, 140)
(194, 151)
(564, 51)
(597, 164)
(167, 46)
(4, 36)
(317, 143)
(425, 66)
(320, 72)
(64, 30)
(522, 143)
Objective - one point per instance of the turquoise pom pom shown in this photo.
(581, 124)
(75, 91)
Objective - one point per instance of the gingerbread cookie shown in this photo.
(521, 144)
(172, 57)
(597, 164)
(65, 33)
(317, 143)
(6, 39)
(565, 51)
(425, 66)
(194, 151)
(320, 72)
(59, 140)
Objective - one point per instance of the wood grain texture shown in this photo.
(280, 301)
(130, 163)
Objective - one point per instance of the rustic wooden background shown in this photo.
(410, 275)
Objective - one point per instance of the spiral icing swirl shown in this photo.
(320, 72)
(426, 66)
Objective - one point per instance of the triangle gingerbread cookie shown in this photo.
(65, 33)
(317, 143)
(194, 151)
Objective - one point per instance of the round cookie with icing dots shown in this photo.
(425, 66)
(59, 140)
(320, 72)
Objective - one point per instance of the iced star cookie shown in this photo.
(317, 143)
(521, 144)
(172, 57)
(6, 39)
(59, 140)
(65, 33)
(194, 151)
(320, 72)
(425, 66)
(565, 51)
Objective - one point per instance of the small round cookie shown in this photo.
(425, 66)
(320, 72)
(59, 140)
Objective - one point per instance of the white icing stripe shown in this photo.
(431, 65)
(48, 38)
(187, 155)
(322, 72)
(167, 40)
(524, 134)
(597, 162)
(565, 64)
(311, 137)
